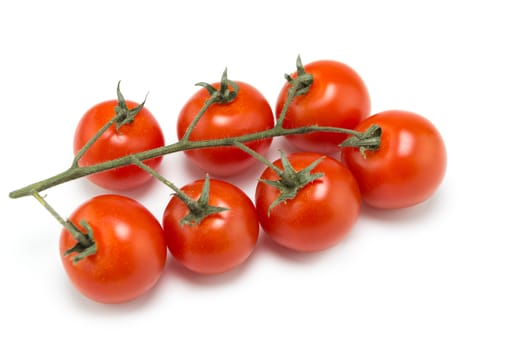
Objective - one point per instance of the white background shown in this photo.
(447, 274)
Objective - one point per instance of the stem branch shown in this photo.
(91, 141)
(198, 117)
(81, 238)
(78, 172)
(257, 156)
(190, 203)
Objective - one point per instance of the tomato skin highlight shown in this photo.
(407, 168)
(322, 213)
(142, 134)
(131, 250)
(249, 112)
(221, 241)
(338, 97)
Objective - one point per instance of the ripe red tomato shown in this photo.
(142, 134)
(322, 212)
(338, 97)
(221, 241)
(131, 249)
(408, 166)
(249, 112)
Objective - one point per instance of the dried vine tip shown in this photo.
(299, 65)
(224, 79)
(370, 140)
(201, 208)
(291, 181)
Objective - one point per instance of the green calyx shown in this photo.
(84, 247)
(370, 140)
(302, 83)
(124, 115)
(227, 91)
(199, 209)
(291, 181)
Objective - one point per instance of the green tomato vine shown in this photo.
(289, 183)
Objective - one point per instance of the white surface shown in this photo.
(448, 274)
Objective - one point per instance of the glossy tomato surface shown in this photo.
(249, 112)
(221, 241)
(407, 168)
(142, 134)
(131, 249)
(321, 214)
(338, 97)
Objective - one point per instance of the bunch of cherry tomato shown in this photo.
(306, 201)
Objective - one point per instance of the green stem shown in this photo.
(199, 209)
(289, 99)
(91, 141)
(81, 238)
(370, 140)
(123, 115)
(257, 156)
(221, 95)
(190, 203)
(198, 117)
(78, 172)
(300, 85)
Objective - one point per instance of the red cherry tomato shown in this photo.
(249, 112)
(338, 97)
(321, 214)
(221, 241)
(131, 249)
(408, 166)
(142, 134)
